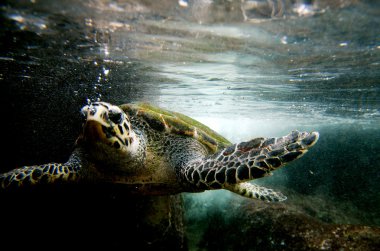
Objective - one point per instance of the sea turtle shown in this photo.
(149, 150)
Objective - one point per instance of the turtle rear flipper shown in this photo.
(250, 160)
(253, 191)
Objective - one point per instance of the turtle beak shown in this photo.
(94, 132)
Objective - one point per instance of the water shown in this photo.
(245, 72)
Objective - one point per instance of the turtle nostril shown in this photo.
(92, 111)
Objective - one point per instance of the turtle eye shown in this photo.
(116, 117)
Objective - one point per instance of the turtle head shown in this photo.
(108, 134)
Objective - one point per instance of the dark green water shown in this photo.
(263, 76)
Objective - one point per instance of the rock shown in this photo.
(275, 227)
(264, 226)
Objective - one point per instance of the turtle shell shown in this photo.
(176, 123)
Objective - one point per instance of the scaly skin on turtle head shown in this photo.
(109, 137)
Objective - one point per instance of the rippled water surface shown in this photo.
(244, 71)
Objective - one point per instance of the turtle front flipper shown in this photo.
(253, 191)
(42, 174)
(245, 161)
